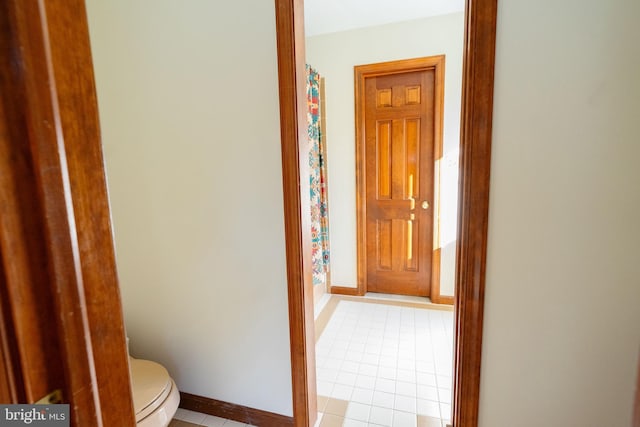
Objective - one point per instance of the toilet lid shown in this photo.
(150, 384)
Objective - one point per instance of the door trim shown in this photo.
(67, 257)
(297, 209)
(362, 72)
(475, 152)
(473, 201)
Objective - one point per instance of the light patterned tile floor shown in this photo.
(200, 419)
(385, 365)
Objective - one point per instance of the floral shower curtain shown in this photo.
(317, 181)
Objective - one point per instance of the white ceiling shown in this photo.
(329, 16)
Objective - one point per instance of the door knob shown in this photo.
(425, 205)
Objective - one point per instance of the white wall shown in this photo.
(562, 313)
(189, 109)
(334, 56)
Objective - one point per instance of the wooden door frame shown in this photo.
(362, 72)
(63, 252)
(636, 403)
(475, 162)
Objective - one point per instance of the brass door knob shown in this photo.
(425, 205)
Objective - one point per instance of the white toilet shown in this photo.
(155, 395)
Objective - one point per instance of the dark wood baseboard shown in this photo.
(343, 290)
(443, 300)
(234, 412)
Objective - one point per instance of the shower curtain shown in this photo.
(317, 181)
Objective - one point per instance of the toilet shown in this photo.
(155, 394)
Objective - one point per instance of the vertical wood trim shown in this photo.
(78, 120)
(11, 381)
(438, 143)
(21, 279)
(361, 190)
(295, 163)
(636, 404)
(42, 118)
(8, 382)
(60, 255)
(475, 163)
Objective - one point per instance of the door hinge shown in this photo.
(52, 398)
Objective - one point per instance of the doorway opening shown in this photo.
(480, 18)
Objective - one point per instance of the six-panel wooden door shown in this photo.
(399, 129)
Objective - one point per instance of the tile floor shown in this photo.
(200, 419)
(381, 364)
(378, 364)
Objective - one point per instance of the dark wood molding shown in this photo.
(11, 383)
(636, 404)
(42, 115)
(344, 290)
(475, 165)
(361, 72)
(234, 412)
(401, 66)
(78, 114)
(295, 163)
(445, 300)
(26, 344)
(61, 303)
(361, 206)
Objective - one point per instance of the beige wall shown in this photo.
(189, 108)
(334, 56)
(562, 314)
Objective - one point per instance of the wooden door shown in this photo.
(61, 325)
(400, 137)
